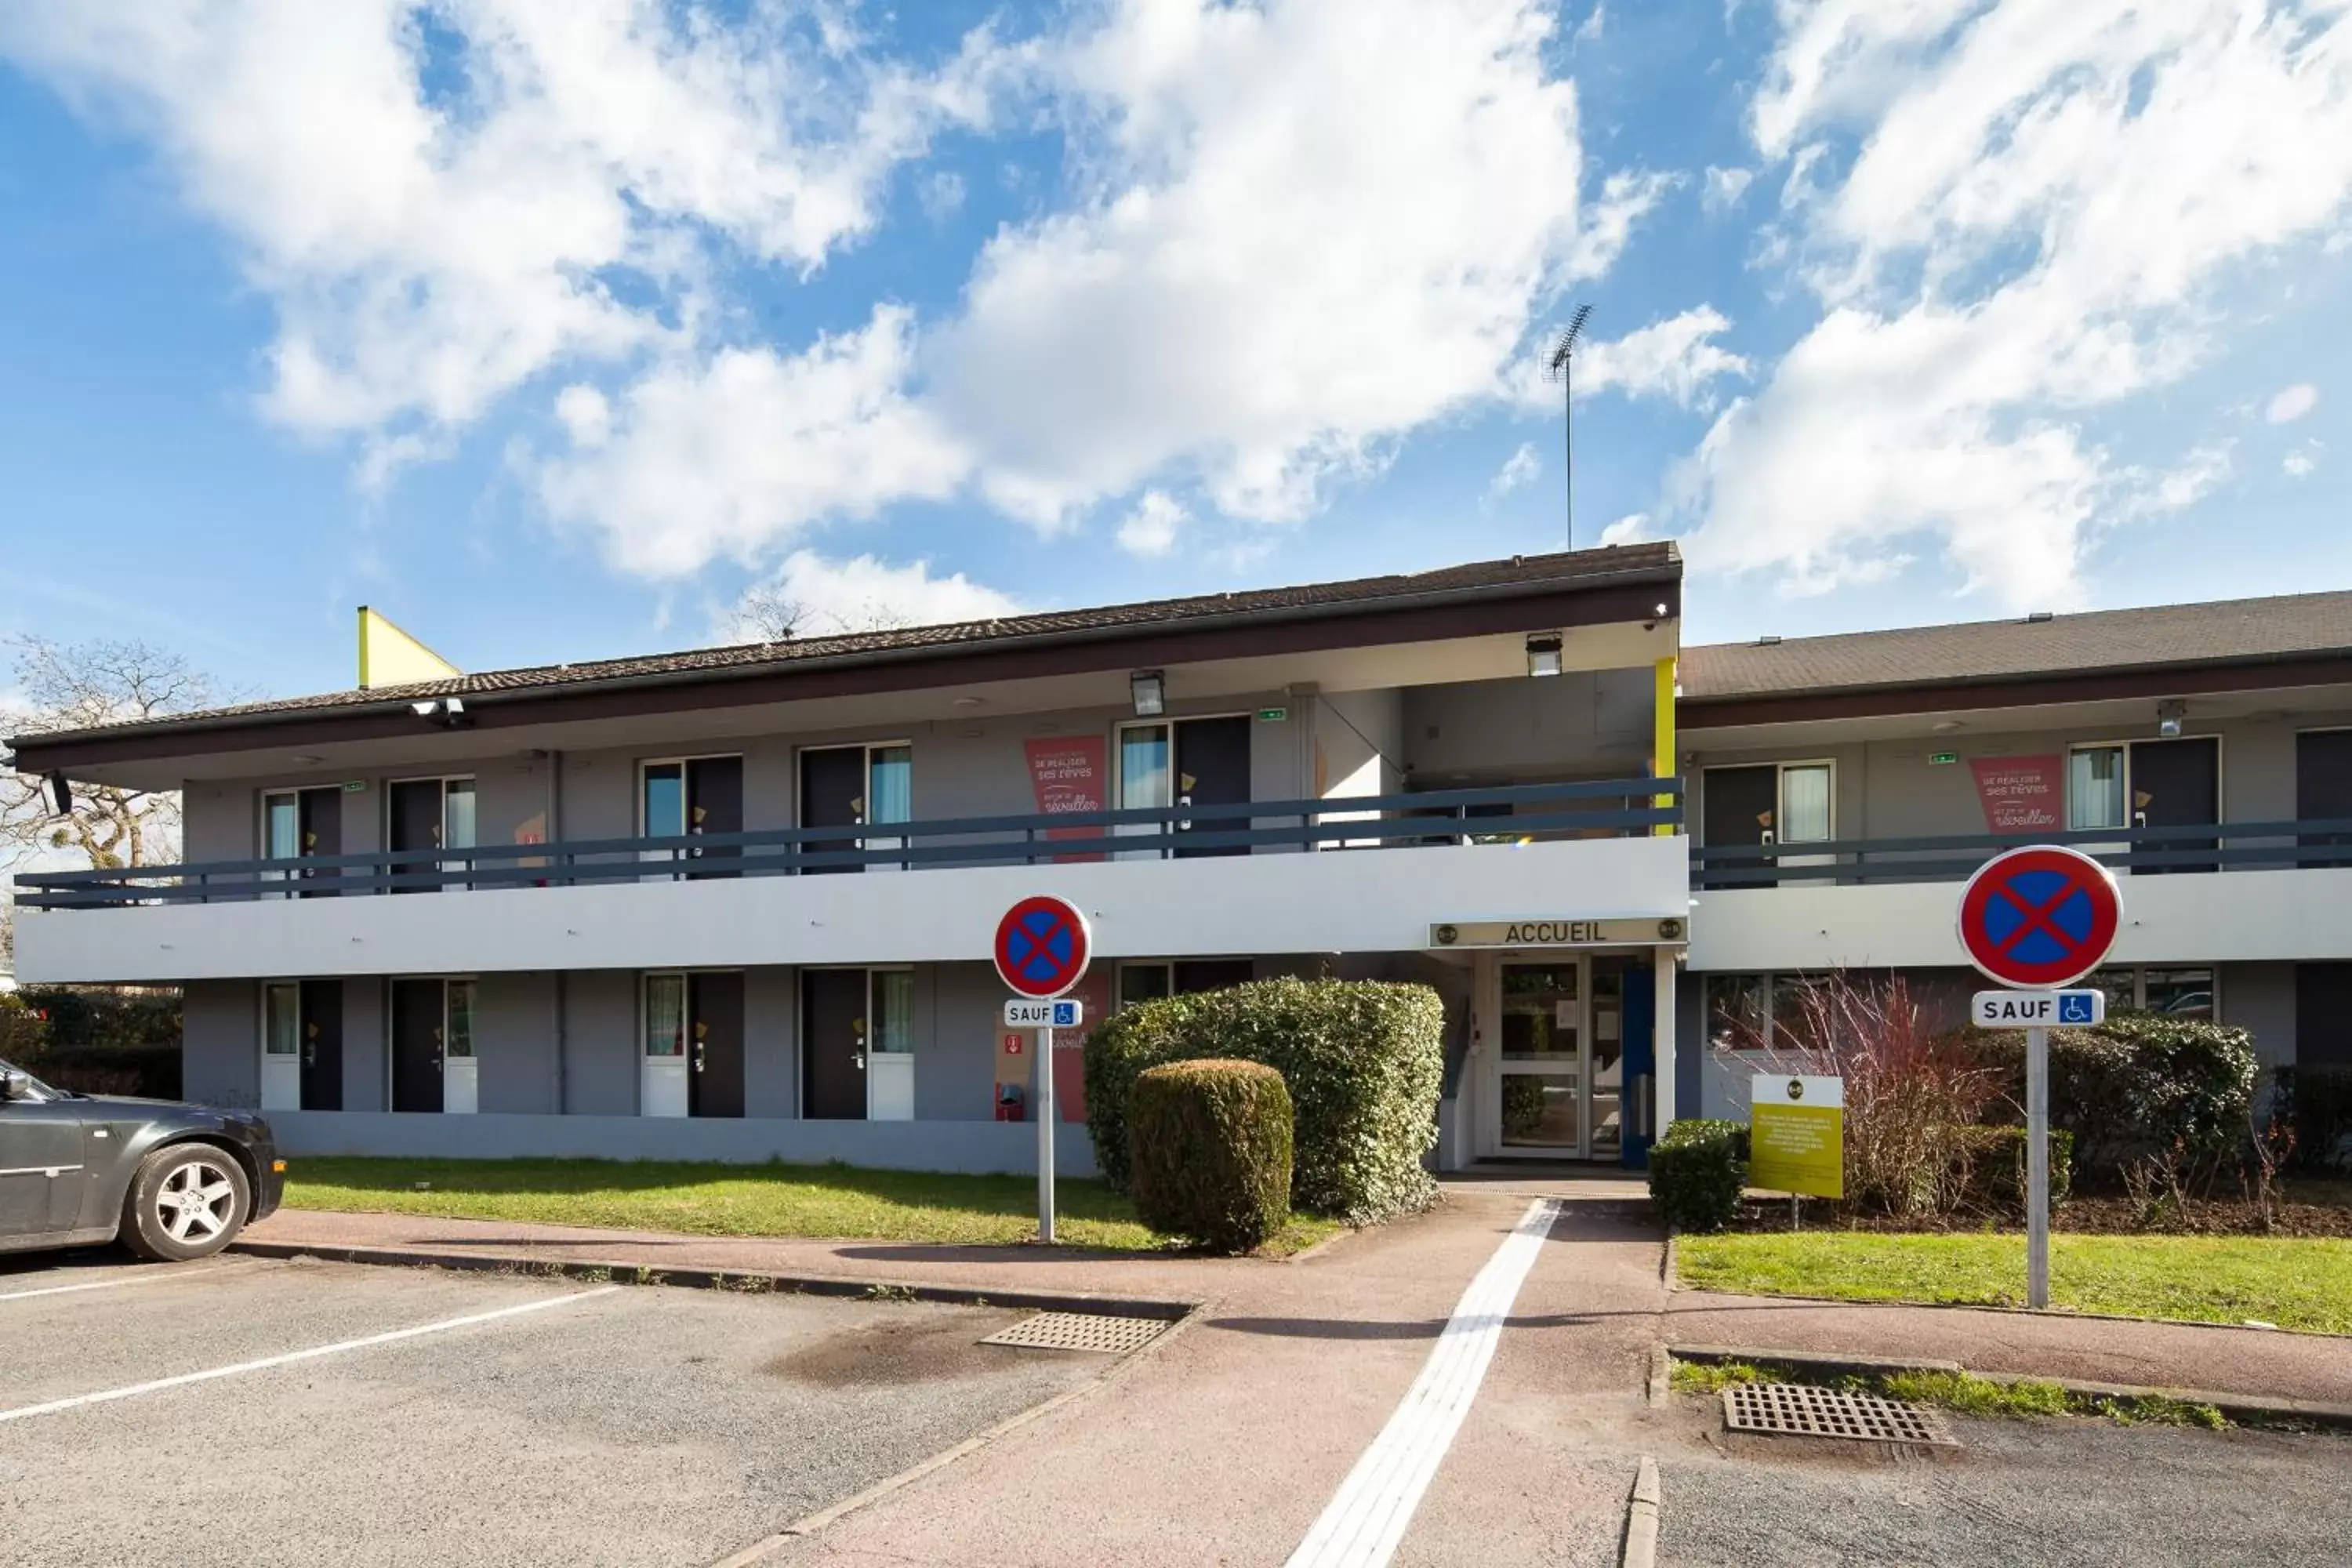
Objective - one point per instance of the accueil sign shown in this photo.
(1557, 933)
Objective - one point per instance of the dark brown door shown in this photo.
(832, 795)
(2176, 784)
(2323, 789)
(2323, 1016)
(417, 1015)
(833, 1043)
(714, 804)
(1213, 768)
(322, 1045)
(415, 825)
(1736, 809)
(1213, 973)
(320, 811)
(714, 1045)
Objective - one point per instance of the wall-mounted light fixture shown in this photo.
(1150, 689)
(2169, 715)
(1543, 653)
(446, 711)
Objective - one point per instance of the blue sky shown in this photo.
(551, 329)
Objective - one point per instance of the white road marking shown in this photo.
(1367, 1516)
(148, 1276)
(76, 1401)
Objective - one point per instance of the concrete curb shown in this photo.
(625, 1272)
(2247, 1409)
(1642, 1518)
(1670, 1267)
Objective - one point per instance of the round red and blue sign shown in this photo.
(1042, 945)
(2040, 917)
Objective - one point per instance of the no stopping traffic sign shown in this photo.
(1042, 946)
(2040, 917)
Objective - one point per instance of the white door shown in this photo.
(281, 1047)
(661, 1088)
(460, 1072)
(890, 1046)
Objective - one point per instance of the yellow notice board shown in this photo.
(1795, 1134)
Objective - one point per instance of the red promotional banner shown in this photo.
(2021, 794)
(1069, 775)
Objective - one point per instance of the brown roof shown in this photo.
(2229, 631)
(1516, 577)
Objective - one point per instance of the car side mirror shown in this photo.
(14, 1085)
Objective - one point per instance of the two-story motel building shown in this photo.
(735, 903)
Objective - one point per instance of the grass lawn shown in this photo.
(831, 1202)
(1963, 1394)
(2292, 1282)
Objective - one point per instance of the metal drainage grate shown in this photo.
(1799, 1410)
(1079, 1331)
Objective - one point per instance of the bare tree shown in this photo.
(767, 613)
(79, 686)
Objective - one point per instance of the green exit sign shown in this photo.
(1272, 715)
(1942, 758)
(354, 786)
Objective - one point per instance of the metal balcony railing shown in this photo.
(1513, 814)
(2142, 852)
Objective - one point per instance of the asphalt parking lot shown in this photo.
(169, 1414)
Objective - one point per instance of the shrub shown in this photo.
(1208, 1152)
(1363, 1061)
(2144, 1086)
(1696, 1173)
(1911, 1091)
(1994, 1181)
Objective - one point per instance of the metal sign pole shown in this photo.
(1044, 1071)
(2037, 1168)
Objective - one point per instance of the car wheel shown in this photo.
(187, 1201)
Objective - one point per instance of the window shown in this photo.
(1737, 1006)
(2181, 993)
(664, 800)
(893, 1004)
(1144, 982)
(281, 1028)
(281, 824)
(2095, 787)
(1143, 767)
(890, 783)
(1805, 803)
(460, 1037)
(665, 1016)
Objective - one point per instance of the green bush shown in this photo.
(1696, 1172)
(1995, 1180)
(2143, 1086)
(95, 1040)
(1208, 1152)
(2316, 1101)
(1363, 1061)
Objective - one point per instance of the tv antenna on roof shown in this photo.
(1563, 357)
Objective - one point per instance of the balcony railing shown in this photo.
(2142, 852)
(1605, 808)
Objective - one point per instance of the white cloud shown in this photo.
(1519, 468)
(736, 453)
(2041, 211)
(1633, 528)
(865, 593)
(2293, 403)
(1306, 229)
(1588, 31)
(2299, 463)
(429, 250)
(1723, 188)
(1676, 358)
(1150, 528)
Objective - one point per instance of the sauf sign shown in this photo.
(1042, 947)
(2037, 919)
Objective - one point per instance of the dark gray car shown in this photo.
(169, 1180)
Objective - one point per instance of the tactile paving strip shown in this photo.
(1801, 1410)
(1079, 1331)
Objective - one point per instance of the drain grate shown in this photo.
(1799, 1410)
(1079, 1331)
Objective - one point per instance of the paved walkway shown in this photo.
(1224, 1443)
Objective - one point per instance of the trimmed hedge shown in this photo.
(2316, 1101)
(1208, 1152)
(1696, 1173)
(1363, 1061)
(2143, 1085)
(1995, 1183)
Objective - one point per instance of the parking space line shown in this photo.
(74, 1402)
(150, 1277)
(1367, 1516)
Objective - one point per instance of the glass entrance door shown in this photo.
(1541, 1064)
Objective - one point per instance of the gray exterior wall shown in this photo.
(220, 1042)
(1888, 789)
(1580, 725)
